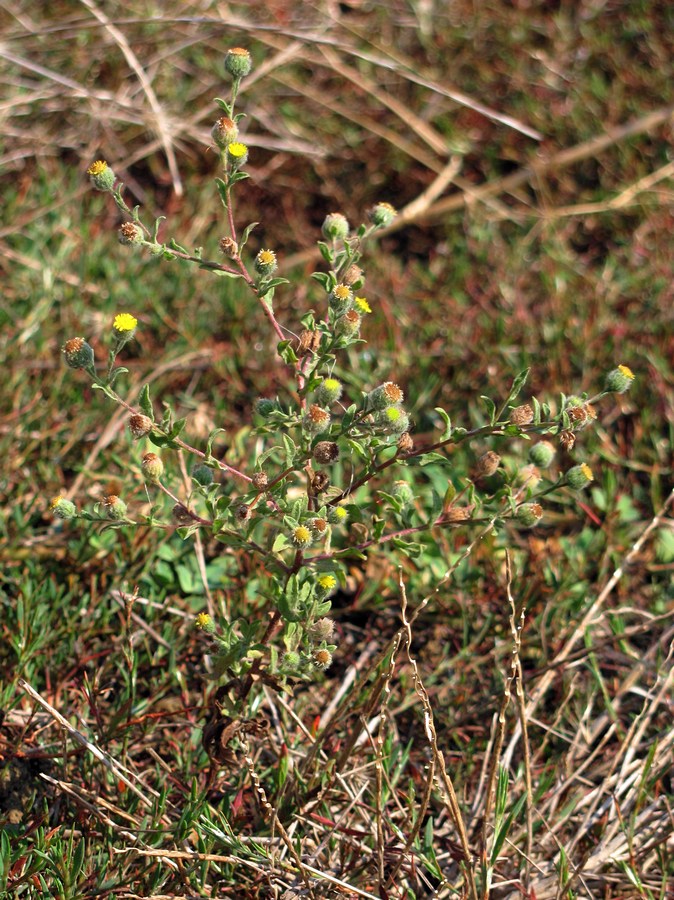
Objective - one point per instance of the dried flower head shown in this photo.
(522, 415)
(387, 394)
(310, 342)
(139, 425)
(326, 452)
(322, 658)
(316, 419)
(487, 464)
(260, 480)
(78, 354)
(529, 513)
(229, 247)
(405, 444)
(130, 233)
(224, 132)
(152, 467)
(114, 506)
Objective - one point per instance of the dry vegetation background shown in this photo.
(528, 146)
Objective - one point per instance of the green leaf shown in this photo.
(323, 279)
(491, 408)
(222, 190)
(286, 352)
(174, 245)
(157, 223)
(220, 273)
(177, 429)
(246, 234)
(447, 433)
(272, 283)
(145, 402)
(290, 450)
(211, 437)
(325, 251)
(348, 417)
(224, 106)
(517, 385)
(427, 459)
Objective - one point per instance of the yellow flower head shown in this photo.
(587, 471)
(237, 150)
(55, 501)
(327, 582)
(627, 372)
(97, 168)
(202, 620)
(125, 322)
(339, 513)
(362, 305)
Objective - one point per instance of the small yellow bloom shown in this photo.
(626, 371)
(125, 322)
(587, 471)
(55, 501)
(202, 620)
(97, 168)
(362, 305)
(237, 150)
(327, 582)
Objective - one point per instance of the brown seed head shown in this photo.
(326, 452)
(487, 464)
(260, 480)
(139, 425)
(522, 415)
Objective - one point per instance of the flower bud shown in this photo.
(316, 420)
(325, 585)
(301, 537)
(203, 475)
(63, 508)
(265, 406)
(229, 247)
(487, 464)
(393, 419)
(542, 454)
(382, 214)
(291, 660)
(328, 392)
(123, 328)
(340, 299)
(619, 380)
(338, 515)
(348, 324)
(130, 233)
(529, 513)
(139, 425)
(78, 354)
(237, 155)
(322, 658)
(579, 477)
(335, 227)
(224, 132)
(152, 467)
(238, 62)
(522, 415)
(114, 506)
(403, 492)
(265, 263)
(322, 630)
(387, 394)
(326, 452)
(260, 480)
(101, 175)
(205, 623)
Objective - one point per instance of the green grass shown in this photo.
(552, 273)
